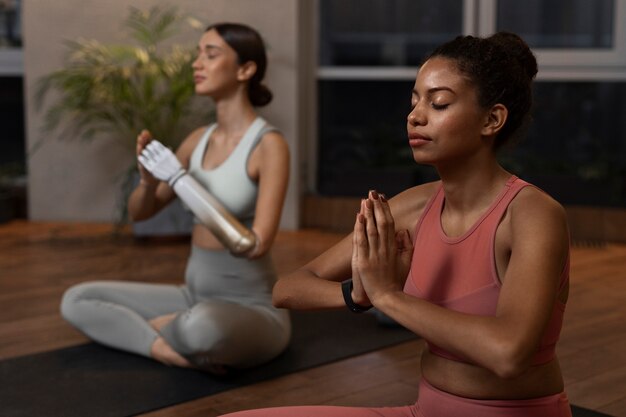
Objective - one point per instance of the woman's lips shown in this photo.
(417, 140)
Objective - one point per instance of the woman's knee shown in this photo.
(201, 328)
(226, 334)
(70, 300)
(72, 297)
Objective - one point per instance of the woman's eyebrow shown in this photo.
(433, 90)
(437, 89)
(208, 47)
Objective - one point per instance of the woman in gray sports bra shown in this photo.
(223, 315)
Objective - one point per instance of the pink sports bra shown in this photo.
(440, 261)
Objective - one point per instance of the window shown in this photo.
(576, 146)
(577, 35)
(385, 32)
(10, 38)
(369, 52)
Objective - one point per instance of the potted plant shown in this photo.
(113, 91)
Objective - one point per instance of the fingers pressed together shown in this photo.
(374, 228)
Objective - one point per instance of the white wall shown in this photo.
(78, 181)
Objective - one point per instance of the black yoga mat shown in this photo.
(91, 380)
(583, 412)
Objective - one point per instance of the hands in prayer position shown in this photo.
(381, 257)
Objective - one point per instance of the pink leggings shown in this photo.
(431, 403)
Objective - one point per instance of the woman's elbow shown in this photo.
(280, 298)
(510, 369)
(511, 361)
(279, 302)
(137, 213)
(133, 216)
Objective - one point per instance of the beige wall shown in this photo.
(71, 180)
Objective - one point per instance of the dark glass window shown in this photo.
(575, 148)
(10, 24)
(363, 141)
(385, 32)
(12, 153)
(559, 23)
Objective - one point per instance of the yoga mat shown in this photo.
(95, 381)
(583, 412)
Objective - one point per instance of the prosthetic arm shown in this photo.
(162, 163)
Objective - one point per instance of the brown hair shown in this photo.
(249, 46)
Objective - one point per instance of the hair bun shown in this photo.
(259, 94)
(516, 48)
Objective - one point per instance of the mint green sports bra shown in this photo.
(229, 182)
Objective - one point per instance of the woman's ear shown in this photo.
(496, 117)
(246, 71)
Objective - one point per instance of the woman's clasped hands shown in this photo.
(381, 257)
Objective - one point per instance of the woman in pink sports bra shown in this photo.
(477, 263)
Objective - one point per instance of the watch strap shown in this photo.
(346, 289)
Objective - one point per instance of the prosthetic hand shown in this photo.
(162, 163)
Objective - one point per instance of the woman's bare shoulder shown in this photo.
(273, 141)
(538, 220)
(532, 203)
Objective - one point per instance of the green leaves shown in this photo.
(154, 26)
(121, 89)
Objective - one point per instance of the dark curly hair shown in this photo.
(249, 46)
(502, 67)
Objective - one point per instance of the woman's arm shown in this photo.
(269, 163)
(151, 195)
(507, 342)
(317, 285)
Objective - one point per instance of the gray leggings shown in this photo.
(224, 312)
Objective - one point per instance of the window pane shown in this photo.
(559, 23)
(385, 32)
(363, 142)
(575, 148)
(12, 144)
(10, 25)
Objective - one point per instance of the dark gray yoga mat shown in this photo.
(583, 412)
(94, 381)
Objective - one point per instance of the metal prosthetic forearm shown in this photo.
(162, 163)
(212, 214)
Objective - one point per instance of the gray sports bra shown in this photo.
(229, 182)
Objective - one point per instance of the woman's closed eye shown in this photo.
(439, 106)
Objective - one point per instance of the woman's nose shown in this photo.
(416, 117)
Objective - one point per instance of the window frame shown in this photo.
(564, 64)
(11, 62)
(479, 19)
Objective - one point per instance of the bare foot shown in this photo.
(157, 323)
(163, 352)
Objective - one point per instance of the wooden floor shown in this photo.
(38, 261)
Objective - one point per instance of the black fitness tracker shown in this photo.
(346, 289)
